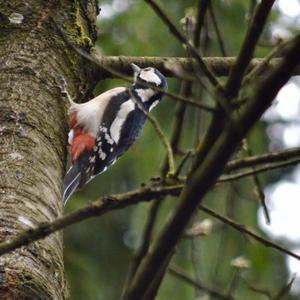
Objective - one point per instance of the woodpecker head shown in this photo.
(145, 83)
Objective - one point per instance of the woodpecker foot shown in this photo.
(63, 88)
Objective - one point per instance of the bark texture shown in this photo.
(33, 127)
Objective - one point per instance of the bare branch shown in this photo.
(258, 188)
(206, 71)
(205, 174)
(285, 289)
(201, 12)
(219, 65)
(246, 52)
(233, 84)
(258, 290)
(243, 229)
(217, 30)
(113, 202)
(180, 274)
(97, 208)
(267, 167)
(271, 157)
(110, 69)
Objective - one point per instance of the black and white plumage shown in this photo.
(106, 126)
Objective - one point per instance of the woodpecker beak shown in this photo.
(136, 69)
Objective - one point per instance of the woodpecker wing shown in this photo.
(114, 140)
(120, 125)
(85, 121)
(106, 126)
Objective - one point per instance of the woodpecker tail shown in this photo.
(71, 182)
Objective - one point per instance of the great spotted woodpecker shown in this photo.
(103, 128)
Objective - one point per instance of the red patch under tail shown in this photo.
(81, 142)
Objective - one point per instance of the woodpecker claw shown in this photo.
(64, 90)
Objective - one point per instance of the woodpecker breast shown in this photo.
(89, 114)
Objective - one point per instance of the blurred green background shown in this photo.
(98, 251)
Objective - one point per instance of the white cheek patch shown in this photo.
(70, 136)
(150, 76)
(116, 126)
(144, 94)
(153, 105)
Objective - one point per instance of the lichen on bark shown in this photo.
(33, 126)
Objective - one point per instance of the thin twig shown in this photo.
(101, 62)
(220, 65)
(267, 167)
(162, 137)
(246, 52)
(221, 97)
(173, 29)
(220, 247)
(285, 289)
(271, 157)
(96, 58)
(166, 143)
(258, 188)
(182, 164)
(256, 289)
(261, 197)
(201, 12)
(217, 29)
(234, 282)
(180, 274)
(243, 229)
(259, 69)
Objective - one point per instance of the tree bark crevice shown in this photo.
(33, 59)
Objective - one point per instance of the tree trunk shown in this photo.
(34, 54)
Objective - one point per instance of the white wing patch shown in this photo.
(116, 126)
(102, 154)
(108, 139)
(150, 76)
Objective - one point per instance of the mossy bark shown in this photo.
(33, 128)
